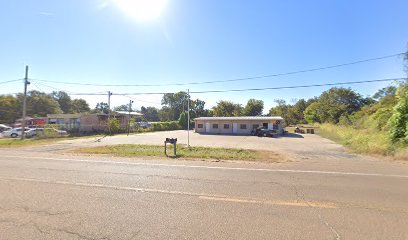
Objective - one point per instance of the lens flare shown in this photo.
(142, 10)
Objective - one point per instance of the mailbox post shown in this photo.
(171, 141)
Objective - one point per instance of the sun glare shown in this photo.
(142, 10)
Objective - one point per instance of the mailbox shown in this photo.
(171, 141)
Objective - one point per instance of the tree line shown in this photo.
(387, 109)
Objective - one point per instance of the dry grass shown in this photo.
(11, 142)
(365, 141)
(136, 150)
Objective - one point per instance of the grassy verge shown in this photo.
(364, 141)
(17, 142)
(130, 150)
(7, 142)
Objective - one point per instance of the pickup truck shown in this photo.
(263, 132)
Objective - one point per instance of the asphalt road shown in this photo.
(50, 196)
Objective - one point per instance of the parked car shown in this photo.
(4, 128)
(34, 132)
(42, 132)
(263, 132)
(15, 132)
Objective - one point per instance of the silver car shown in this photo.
(13, 133)
(45, 132)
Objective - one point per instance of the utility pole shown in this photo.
(130, 109)
(109, 111)
(109, 108)
(26, 82)
(188, 117)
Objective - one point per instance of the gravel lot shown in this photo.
(293, 146)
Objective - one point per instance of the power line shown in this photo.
(228, 80)
(255, 89)
(301, 86)
(58, 89)
(15, 80)
(138, 100)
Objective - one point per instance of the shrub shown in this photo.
(166, 126)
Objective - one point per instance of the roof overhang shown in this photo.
(248, 118)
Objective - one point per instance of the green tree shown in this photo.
(101, 108)
(310, 113)
(123, 107)
(227, 109)
(150, 113)
(39, 104)
(114, 125)
(281, 109)
(79, 106)
(253, 107)
(176, 103)
(63, 99)
(383, 92)
(183, 120)
(399, 119)
(336, 102)
(197, 108)
(9, 109)
(166, 114)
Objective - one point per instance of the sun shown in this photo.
(142, 10)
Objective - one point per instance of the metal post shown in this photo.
(24, 103)
(188, 117)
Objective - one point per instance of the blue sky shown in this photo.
(94, 41)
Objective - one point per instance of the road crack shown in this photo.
(301, 197)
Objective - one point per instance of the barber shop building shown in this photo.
(237, 125)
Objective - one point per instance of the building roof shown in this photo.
(62, 115)
(238, 118)
(127, 113)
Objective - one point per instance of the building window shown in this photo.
(255, 126)
(200, 125)
(226, 126)
(243, 126)
(215, 125)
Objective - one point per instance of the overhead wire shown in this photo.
(136, 99)
(10, 81)
(256, 89)
(228, 80)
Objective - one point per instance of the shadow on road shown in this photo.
(290, 135)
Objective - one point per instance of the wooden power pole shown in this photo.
(26, 82)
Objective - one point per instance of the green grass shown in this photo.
(130, 150)
(10, 142)
(365, 141)
(17, 142)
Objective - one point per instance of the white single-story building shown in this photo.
(237, 125)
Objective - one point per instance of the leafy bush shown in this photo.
(166, 126)
(114, 125)
(399, 120)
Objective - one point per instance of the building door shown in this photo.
(234, 127)
(207, 127)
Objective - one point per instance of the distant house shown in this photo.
(31, 122)
(88, 123)
(237, 125)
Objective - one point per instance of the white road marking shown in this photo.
(213, 167)
(203, 196)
